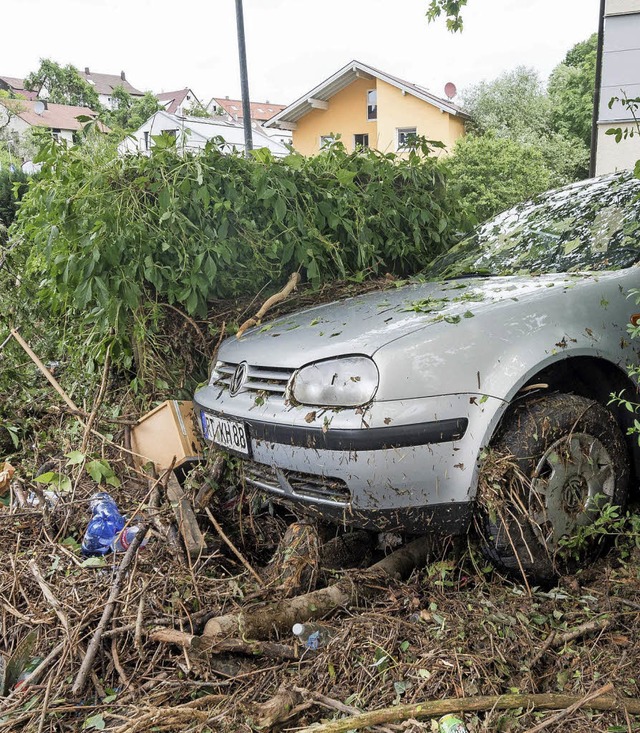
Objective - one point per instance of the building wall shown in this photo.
(620, 78)
(613, 156)
(398, 110)
(347, 115)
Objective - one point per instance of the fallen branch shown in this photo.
(233, 548)
(194, 642)
(98, 401)
(51, 379)
(588, 627)
(434, 708)
(604, 690)
(258, 623)
(94, 644)
(48, 594)
(291, 285)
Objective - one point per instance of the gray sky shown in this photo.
(292, 45)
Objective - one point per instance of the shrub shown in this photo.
(107, 237)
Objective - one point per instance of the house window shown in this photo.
(361, 140)
(171, 133)
(372, 104)
(406, 137)
(146, 139)
(56, 133)
(326, 141)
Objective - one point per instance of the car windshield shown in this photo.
(592, 225)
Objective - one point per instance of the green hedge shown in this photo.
(104, 237)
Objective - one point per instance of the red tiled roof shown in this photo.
(16, 86)
(54, 116)
(260, 111)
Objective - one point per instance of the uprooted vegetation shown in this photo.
(453, 632)
(453, 629)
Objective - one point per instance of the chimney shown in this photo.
(122, 76)
(86, 70)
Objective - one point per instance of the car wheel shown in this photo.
(555, 461)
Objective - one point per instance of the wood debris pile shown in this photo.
(454, 629)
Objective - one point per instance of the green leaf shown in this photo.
(57, 480)
(75, 457)
(94, 562)
(280, 208)
(95, 721)
(45, 478)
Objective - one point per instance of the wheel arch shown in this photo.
(591, 377)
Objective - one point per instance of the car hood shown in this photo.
(363, 324)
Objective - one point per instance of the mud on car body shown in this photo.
(377, 411)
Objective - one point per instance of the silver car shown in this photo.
(387, 411)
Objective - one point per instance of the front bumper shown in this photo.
(403, 465)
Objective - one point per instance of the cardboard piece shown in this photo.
(166, 432)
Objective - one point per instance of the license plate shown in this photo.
(225, 433)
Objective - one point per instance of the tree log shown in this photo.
(268, 649)
(258, 623)
(434, 708)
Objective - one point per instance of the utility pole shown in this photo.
(596, 92)
(244, 80)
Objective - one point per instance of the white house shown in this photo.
(104, 84)
(179, 102)
(193, 133)
(20, 115)
(621, 79)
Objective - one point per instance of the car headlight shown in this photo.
(347, 381)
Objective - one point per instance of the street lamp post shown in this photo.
(244, 80)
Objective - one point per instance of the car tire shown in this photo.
(554, 462)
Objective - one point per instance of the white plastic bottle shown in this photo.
(313, 636)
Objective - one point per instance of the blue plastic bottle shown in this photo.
(104, 526)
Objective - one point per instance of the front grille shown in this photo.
(259, 378)
(323, 489)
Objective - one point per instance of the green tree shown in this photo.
(492, 173)
(451, 9)
(63, 85)
(571, 87)
(514, 105)
(129, 112)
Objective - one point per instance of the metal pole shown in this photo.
(244, 79)
(596, 93)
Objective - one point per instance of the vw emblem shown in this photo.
(238, 378)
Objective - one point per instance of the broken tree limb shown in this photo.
(192, 537)
(258, 623)
(52, 380)
(224, 646)
(94, 644)
(291, 285)
(436, 708)
(604, 690)
(98, 401)
(283, 706)
(232, 547)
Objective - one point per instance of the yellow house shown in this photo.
(371, 109)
